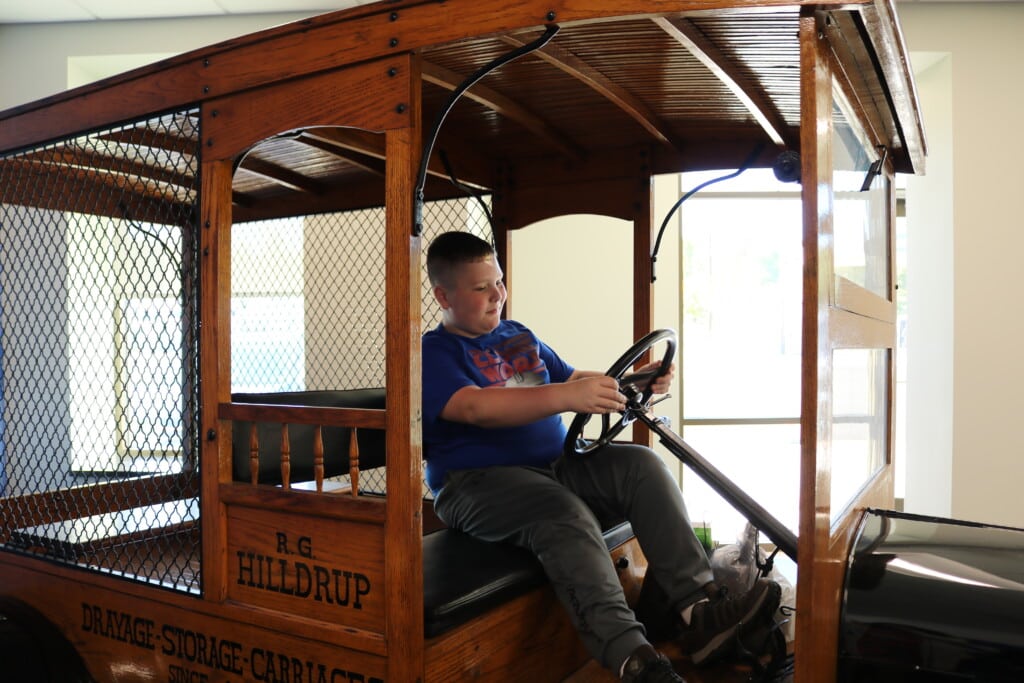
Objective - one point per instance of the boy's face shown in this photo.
(473, 298)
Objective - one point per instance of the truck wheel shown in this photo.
(33, 649)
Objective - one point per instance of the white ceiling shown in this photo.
(40, 11)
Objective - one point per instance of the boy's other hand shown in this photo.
(664, 383)
(642, 378)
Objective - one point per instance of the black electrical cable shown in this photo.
(661, 231)
(472, 191)
(428, 148)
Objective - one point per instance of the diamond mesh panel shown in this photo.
(308, 297)
(98, 337)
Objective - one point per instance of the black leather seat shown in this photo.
(464, 577)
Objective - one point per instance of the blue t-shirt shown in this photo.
(509, 356)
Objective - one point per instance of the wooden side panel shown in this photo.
(143, 635)
(528, 639)
(332, 570)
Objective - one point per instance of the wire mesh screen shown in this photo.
(308, 301)
(98, 339)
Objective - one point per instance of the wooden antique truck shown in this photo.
(212, 297)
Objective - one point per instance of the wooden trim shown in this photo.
(263, 496)
(403, 548)
(883, 28)
(215, 368)
(341, 417)
(239, 121)
(44, 508)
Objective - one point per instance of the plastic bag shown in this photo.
(737, 566)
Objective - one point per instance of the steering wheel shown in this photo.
(636, 387)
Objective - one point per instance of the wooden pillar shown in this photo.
(644, 228)
(403, 549)
(819, 579)
(215, 366)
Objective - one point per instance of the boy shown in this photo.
(492, 396)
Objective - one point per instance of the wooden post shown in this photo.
(403, 546)
(643, 287)
(215, 367)
(818, 583)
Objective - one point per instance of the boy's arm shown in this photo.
(583, 392)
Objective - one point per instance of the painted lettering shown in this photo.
(304, 545)
(292, 577)
(179, 674)
(196, 650)
(268, 666)
(119, 626)
(199, 648)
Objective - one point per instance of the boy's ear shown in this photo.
(441, 296)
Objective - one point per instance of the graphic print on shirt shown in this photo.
(514, 362)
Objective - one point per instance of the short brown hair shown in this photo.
(452, 249)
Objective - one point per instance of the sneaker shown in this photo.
(714, 622)
(647, 665)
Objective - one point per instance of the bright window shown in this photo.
(741, 326)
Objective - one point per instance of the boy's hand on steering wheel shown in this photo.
(595, 395)
(642, 377)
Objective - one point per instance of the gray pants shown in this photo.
(557, 514)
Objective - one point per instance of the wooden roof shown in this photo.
(694, 84)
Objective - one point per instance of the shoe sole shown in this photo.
(714, 646)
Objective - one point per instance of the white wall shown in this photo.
(34, 57)
(984, 43)
(928, 487)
